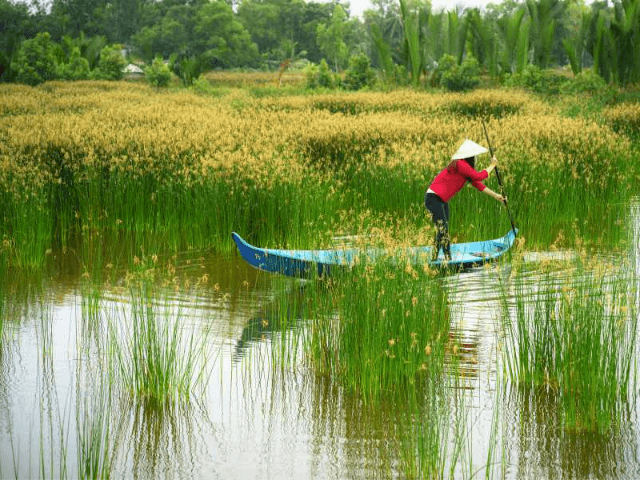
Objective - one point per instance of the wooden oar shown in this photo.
(486, 134)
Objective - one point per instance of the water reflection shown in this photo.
(161, 443)
(542, 449)
(285, 313)
(351, 438)
(263, 418)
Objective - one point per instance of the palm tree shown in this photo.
(625, 32)
(515, 34)
(615, 42)
(412, 20)
(576, 45)
(544, 15)
(483, 40)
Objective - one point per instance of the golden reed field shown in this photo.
(133, 128)
(73, 134)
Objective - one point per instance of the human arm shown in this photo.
(495, 195)
(492, 166)
(468, 172)
(483, 188)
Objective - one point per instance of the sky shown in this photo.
(359, 6)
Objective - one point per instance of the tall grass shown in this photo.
(88, 166)
(386, 330)
(432, 427)
(96, 446)
(545, 449)
(574, 337)
(155, 360)
(382, 333)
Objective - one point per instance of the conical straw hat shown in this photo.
(469, 149)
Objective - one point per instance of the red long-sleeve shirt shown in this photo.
(450, 180)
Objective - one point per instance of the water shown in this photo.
(257, 418)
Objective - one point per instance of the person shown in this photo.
(449, 182)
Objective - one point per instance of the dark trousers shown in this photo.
(439, 211)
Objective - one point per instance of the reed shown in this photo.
(386, 330)
(154, 359)
(96, 447)
(282, 322)
(3, 313)
(624, 118)
(381, 333)
(90, 163)
(547, 450)
(574, 337)
(424, 434)
(163, 441)
(260, 80)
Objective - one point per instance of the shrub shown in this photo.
(447, 62)
(457, 78)
(593, 84)
(401, 76)
(311, 76)
(532, 77)
(319, 76)
(359, 74)
(158, 74)
(188, 69)
(76, 69)
(325, 79)
(585, 82)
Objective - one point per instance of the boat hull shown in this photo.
(305, 263)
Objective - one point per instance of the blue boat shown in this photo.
(305, 263)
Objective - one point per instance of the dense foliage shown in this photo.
(405, 41)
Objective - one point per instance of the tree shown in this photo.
(14, 25)
(331, 37)
(220, 39)
(315, 13)
(89, 48)
(259, 18)
(172, 34)
(575, 45)
(207, 34)
(616, 43)
(456, 37)
(188, 69)
(514, 31)
(121, 19)
(432, 35)
(412, 23)
(35, 61)
(75, 16)
(277, 25)
(383, 51)
(483, 40)
(545, 15)
(385, 27)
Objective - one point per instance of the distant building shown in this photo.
(133, 71)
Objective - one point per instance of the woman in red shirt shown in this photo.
(449, 182)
